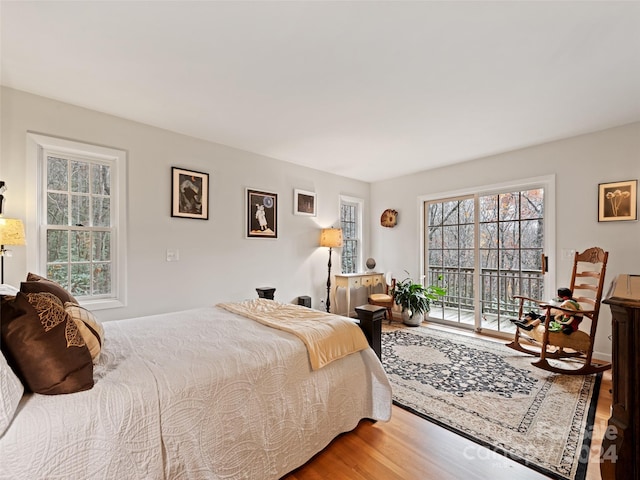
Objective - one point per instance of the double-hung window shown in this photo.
(80, 218)
(351, 224)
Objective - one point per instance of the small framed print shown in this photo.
(262, 214)
(189, 194)
(304, 203)
(618, 201)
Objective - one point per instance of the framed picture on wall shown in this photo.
(304, 203)
(618, 201)
(262, 214)
(189, 194)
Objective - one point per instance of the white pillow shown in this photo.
(8, 290)
(11, 391)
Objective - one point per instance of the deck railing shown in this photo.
(497, 288)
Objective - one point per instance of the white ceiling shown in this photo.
(368, 90)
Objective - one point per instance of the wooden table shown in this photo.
(354, 280)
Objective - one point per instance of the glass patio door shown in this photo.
(484, 249)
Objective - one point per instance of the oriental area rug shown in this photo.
(492, 395)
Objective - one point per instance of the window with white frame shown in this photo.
(80, 218)
(351, 224)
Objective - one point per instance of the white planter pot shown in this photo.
(412, 321)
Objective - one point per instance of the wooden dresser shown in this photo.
(621, 443)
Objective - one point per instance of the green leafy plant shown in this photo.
(415, 298)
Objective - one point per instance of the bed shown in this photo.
(199, 394)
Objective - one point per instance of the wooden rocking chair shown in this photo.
(587, 280)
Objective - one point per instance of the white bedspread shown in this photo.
(200, 394)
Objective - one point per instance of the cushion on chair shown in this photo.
(578, 340)
(380, 297)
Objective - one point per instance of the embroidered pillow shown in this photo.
(43, 345)
(89, 327)
(36, 284)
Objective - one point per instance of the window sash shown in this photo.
(351, 224)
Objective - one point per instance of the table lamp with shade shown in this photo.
(11, 233)
(332, 238)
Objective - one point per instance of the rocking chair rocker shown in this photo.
(587, 280)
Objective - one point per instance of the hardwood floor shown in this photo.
(409, 447)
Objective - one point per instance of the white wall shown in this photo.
(579, 163)
(217, 263)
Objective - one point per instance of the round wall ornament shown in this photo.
(389, 218)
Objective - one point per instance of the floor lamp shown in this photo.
(332, 238)
(11, 233)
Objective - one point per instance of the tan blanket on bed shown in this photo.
(327, 337)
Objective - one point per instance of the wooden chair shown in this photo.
(385, 299)
(587, 280)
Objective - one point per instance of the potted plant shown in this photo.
(415, 300)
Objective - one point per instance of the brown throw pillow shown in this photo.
(36, 284)
(43, 345)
